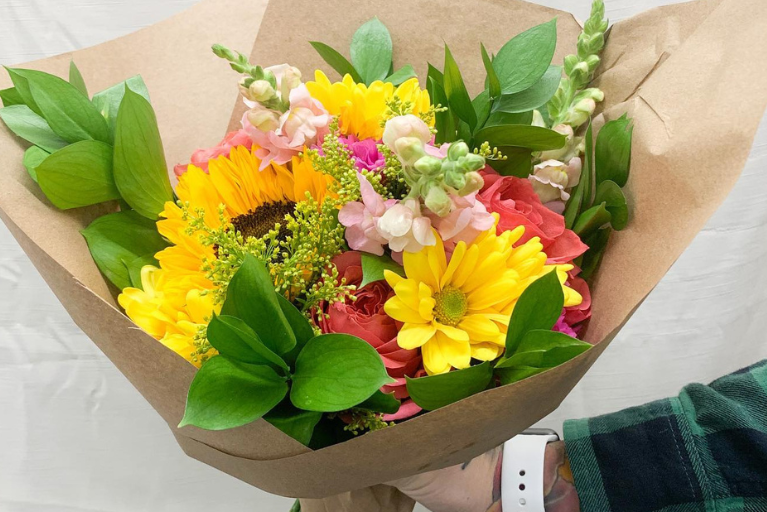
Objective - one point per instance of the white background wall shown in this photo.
(76, 437)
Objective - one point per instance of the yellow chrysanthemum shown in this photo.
(361, 108)
(170, 311)
(460, 310)
(254, 201)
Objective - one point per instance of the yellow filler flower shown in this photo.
(361, 108)
(460, 310)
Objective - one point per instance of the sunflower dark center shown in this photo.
(259, 221)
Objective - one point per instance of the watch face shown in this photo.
(539, 432)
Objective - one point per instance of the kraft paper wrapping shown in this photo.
(692, 76)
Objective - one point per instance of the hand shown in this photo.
(476, 485)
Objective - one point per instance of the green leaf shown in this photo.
(135, 266)
(613, 151)
(300, 325)
(10, 97)
(140, 171)
(336, 372)
(609, 193)
(381, 402)
(494, 84)
(336, 61)
(294, 422)
(457, 95)
(519, 162)
(227, 394)
(21, 84)
(593, 257)
(34, 156)
(544, 348)
(251, 297)
(118, 238)
(78, 175)
(581, 194)
(233, 338)
(373, 268)
(539, 307)
(591, 220)
(403, 74)
(22, 121)
(69, 114)
(76, 79)
(437, 75)
(522, 61)
(517, 373)
(371, 51)
(482, 105)
(524, 136)
(437, 391)
(296, 506)
(108, 101)
(503, 119)
(532, 97)
(443, 121)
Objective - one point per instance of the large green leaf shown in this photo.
(76, 79)
(437, 391)
(22, 121)
(33, 157)
(335, 372)
(108, 101)
(522, 61)
(609, 193)
(251, 297)
(457, 96)
(140, 171)
(443, 121)
(116, 239)
(371, 51)
(21, 85)
(78, 175)
(294, 422)
(227, 394)
(597, 243)
(68, 112)
(381, 402)
(591, 220)
(493, 83)
(482, 105)
(336, 61)
(373, 268)
(523, 136)
(539, 307)
(612, 154)
(532, 97)
(519, 162)
(299, 324)
(233, 338)
(403, 74)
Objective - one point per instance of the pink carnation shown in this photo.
(201, 157)
(364, 152)
(304, 124)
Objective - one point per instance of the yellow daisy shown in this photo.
(170, 311)
(360, 108)
(460, 310)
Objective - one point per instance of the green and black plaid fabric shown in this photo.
(703, 451)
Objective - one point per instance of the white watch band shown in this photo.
(522, 472)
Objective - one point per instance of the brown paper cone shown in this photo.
(692, 76)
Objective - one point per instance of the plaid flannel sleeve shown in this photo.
(705, 450)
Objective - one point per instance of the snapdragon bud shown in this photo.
(471, 162)
(261, 91)
(581, 112)
(438, 201)
(405, 126)
(292, 78)
(408, 149)
(457, 150)
(263, 119)
(428, 165)
(455, 179)
(474, 183)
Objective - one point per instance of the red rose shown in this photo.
(577, 315)
(366, 319)
(518, 205)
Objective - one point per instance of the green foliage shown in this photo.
(233, 338)
(22, 121)
(597, 243)
(611, 195)
(227, 394)
(294, 422)
(533, 97)
(455, 90)
(76, 79)
(539, 307)
(522, 61)
(493, 82)
(336, 61)
(612, 154)
(535, 138)
(403, 74)
(373, 268)
(381, 402)
(10, 97)
(371, 51)
(140, 171)
(115, 240)
(437, 391)
(108, 101)
(33, 157)
(335, 372)
(78, 175)
(581, 194)
(539, 351)
(135, 266)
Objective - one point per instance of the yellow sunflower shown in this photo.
(360, 108)
(460, 310)
(170, 311)
(254, 201)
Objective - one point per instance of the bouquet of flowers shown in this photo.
(355, 257)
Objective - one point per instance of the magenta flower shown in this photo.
(364, 152)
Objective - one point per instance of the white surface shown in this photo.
(77, 437)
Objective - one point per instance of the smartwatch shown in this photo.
(522, 470)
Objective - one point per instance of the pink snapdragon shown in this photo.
(303, 124)
(361, 219)
(466, 220)
(201, 157)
